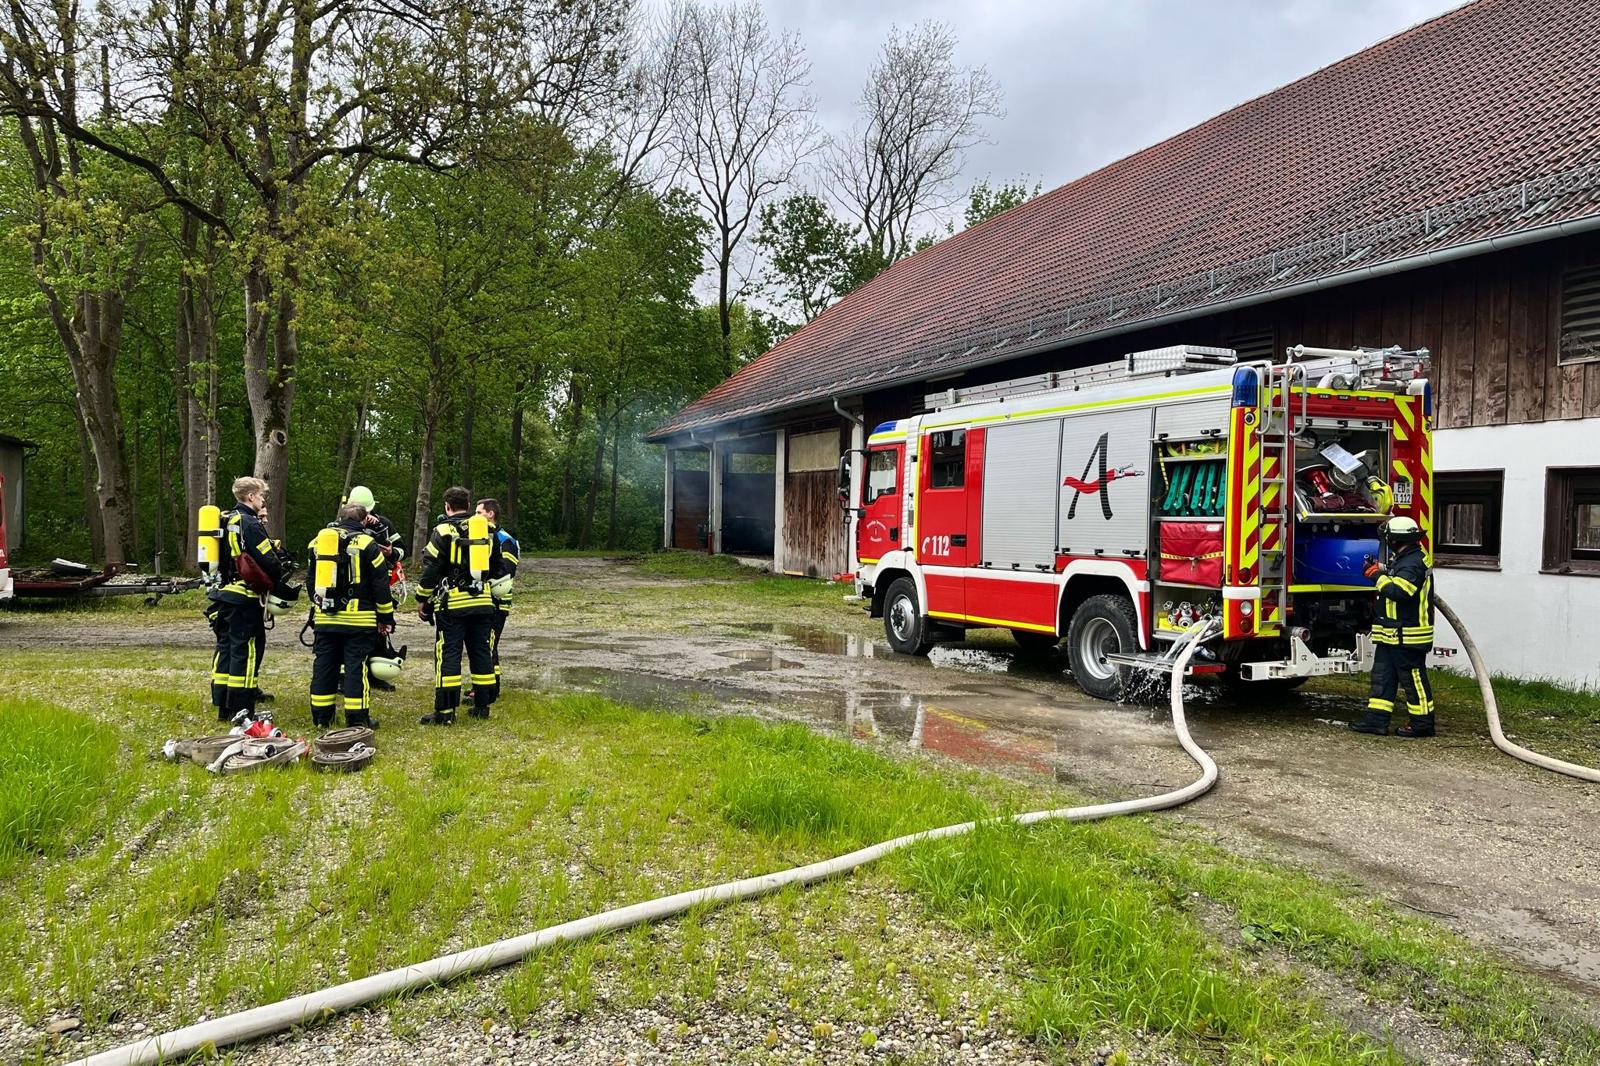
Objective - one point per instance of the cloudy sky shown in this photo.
(1089, 81)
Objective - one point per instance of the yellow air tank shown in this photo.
(325, 577)
(478, 546)
(208, 549)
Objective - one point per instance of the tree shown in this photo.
(986, 201)
(812, 257)
(920, 113)
(743, 122)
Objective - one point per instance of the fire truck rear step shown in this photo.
(1162, 664)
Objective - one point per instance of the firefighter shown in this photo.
(453, 594)
(1402, 633)
(352, 614)
(501, 587)
(250, 570)
(389, 541)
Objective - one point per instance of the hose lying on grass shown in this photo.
(315, 1006)
(1491, 709)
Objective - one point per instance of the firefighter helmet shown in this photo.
(361, 496)
(386, 667)
(1402, 530)
(500, 588)
(277, 604)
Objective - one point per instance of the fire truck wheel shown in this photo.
(1101, 626)
(903, 623)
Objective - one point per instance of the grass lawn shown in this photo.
(145, 892)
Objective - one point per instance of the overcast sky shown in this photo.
(1089, 81)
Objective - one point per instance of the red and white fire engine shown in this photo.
(1115, 506)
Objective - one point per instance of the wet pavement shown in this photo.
(1504, 853)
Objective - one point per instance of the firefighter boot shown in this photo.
(322, 717)
(1420, 725)
(478, 712)
(360, 718)
(1376, 723)
(438, 718)
(224, 715)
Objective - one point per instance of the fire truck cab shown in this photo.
(1115, 506)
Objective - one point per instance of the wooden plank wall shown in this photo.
(1490, 322)
(691, 499)
(813, 527)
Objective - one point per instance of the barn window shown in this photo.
(1572, 521)
(948, 460)
(1468, 504)
(1580, 315)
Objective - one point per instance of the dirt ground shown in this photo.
(1506, 854)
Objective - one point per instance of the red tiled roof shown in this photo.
(1419, 143)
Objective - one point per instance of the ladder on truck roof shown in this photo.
(1157, 362)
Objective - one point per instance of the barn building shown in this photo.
(1440, 189)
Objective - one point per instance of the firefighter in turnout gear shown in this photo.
(501, 587)
(388, 540)
(352, 614)
(243, 568)
(1402, 632)
(460, 561)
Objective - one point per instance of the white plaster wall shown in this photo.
(1527, 624)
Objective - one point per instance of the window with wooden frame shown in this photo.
(1467, 508)
(1580, 316)
(1572, 521)
(949, 460)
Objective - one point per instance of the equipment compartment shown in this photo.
(1191, 553)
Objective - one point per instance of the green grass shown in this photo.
(144, 876)
(53, 769)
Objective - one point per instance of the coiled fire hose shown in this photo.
(1491, 709)
(314, 1006)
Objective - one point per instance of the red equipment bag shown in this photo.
(1191, 553)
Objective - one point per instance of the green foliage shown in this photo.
(812, 257)
(985, 201)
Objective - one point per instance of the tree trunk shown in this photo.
(93, 370)
(595, 473)
(724, 311)
(422, 517)
(514, 471)
(271, 351)
(576, 407)
(468, 413)
(616, 446)
(352, 447)
(91, 509)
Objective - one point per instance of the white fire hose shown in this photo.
(315, 1006)
(1491, 709)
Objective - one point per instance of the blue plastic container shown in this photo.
(1332, 557)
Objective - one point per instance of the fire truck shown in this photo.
(6, 590)
(1114, 506)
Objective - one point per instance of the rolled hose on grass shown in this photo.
(1491, 709)
(314, 1006)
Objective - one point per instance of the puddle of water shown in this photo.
(750, 659)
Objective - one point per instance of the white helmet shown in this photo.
(386, 667)
(277, 605)
(500, 588)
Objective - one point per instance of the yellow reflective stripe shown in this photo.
(1125, 401)
(483, 679)
(430, 549)
(265, 546)
(322, 701)
(1380, 705)
(993, 621)
(1406, 586)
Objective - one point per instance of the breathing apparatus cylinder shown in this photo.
(325, 572)
(208, 543)
(478, 547)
